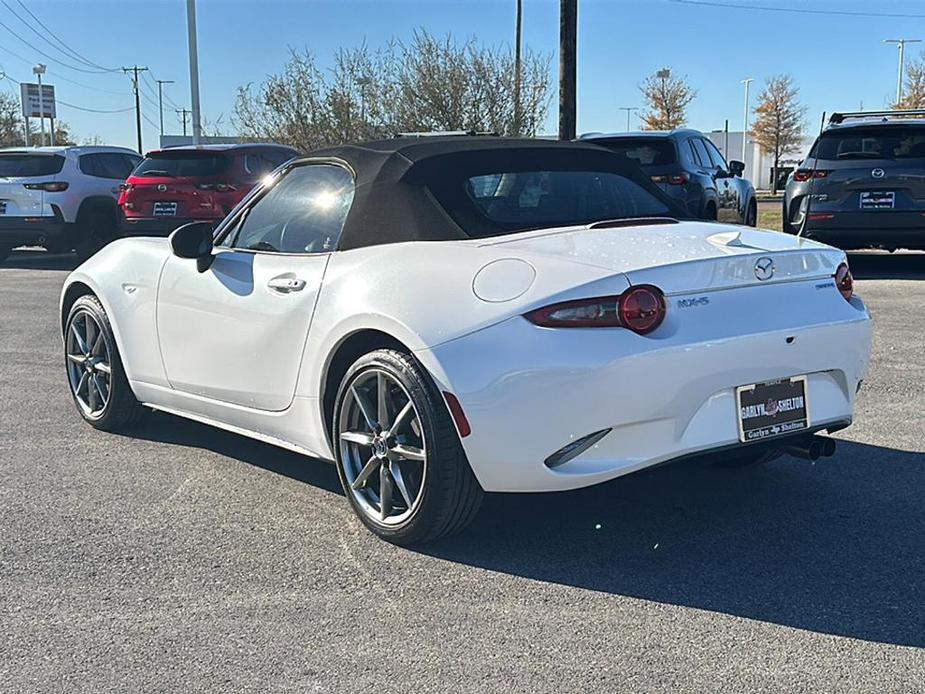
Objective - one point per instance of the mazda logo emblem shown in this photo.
(161, 188)
(764, 268)
(878, 173)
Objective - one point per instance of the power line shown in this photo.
(74, 106)
(797, 10)
(57, 38)
(51, 57)
(87, 86)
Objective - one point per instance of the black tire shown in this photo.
(449, 496)
(751, 215)
(5, 252)
(121, 410)
(96, 226)
(709, 212)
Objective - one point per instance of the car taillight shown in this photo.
(51, 187)
(801, 175)
(217, 187)
(844, 281)
(640, 308)
(126, 187)
(672, 179)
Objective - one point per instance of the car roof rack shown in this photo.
(444, 133)
(837, 118)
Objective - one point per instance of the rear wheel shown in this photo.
(97, 226)
(709, 212)
(751, 216)
(97, 380)
(399, 459)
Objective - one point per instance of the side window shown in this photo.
(716, 156)
(702, 153)
(261, 163)
(303, 213)
(89, 164)
(695, 155)
(130, 163)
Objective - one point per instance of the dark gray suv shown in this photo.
(690, 169)
(863, 183)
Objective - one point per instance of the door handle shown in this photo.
(285, 285)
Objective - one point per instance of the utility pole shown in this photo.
(568, 59)
(901, 43)
(38, 71)
(135, 70)
(629, 110)
(518, 107)
(746, 82)
(160, 100)
(182, 112)
(193, 68)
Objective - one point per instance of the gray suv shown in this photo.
(690, 169)
(863, 183)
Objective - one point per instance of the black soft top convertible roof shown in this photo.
(396, 179)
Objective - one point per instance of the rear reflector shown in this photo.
(574, 448)
(462, 424)
(821, 217)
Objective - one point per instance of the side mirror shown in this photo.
(736, 168)
(194, 241)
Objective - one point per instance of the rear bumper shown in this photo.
(156, 226)
(662, 397)
(855, 230)
(17, 231)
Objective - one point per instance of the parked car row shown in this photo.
(80, 197)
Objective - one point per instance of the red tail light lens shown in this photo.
(51, 187)
(673, 179)
(641, 309)
(844, 281)
(801, 175)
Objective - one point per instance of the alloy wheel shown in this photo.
(383, 452)
(89, 364)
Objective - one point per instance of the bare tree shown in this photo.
(12, 133)
(779, 120)
(667, 98)
(914, 87)
(429, 84)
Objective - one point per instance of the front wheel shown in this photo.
(751, 216)
(95, 375)
(399, 458)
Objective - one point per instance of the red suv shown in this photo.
(196, 183)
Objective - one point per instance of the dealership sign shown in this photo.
(31, 108)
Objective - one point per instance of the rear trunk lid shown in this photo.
(19, 169)
(684, 257)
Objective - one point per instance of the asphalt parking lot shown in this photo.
(188, 559)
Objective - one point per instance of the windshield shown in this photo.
(883, 142)
(506, 202)
(30, 164)
(180, 164)
(645, 151)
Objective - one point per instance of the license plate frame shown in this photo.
(165, 209)
(877, 200)
(768, 410)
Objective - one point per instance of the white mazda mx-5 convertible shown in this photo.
(447, 316)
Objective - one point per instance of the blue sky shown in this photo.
(837, 60)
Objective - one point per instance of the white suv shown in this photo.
(61, 198)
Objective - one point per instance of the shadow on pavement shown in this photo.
(880, 265)
(837, 547)
(40, 260)
(166, 428)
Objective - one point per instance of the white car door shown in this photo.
(236, 332)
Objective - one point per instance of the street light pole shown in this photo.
(901, 44)
(193, 68)
(38, 71)
(629, 110)
(746, 82)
